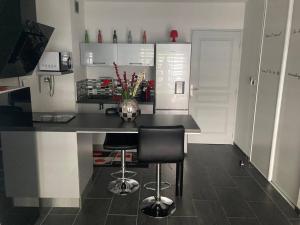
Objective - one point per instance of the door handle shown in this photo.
(192, 90)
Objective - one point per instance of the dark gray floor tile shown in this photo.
(260, 179)
(95, 206)
(44, 211)
(250, 190)
(99, 190)
(16, 219)
(295, 222)
(197, 178)
(121, 220)
(125, 204)
(59, 220)
(219, 177)
(182, 221)
(64, 210)
(90, 219)
(146, 220)
(243, 221)
(233, 203)
(284, 206)
(184, 207)
(200, 192)
(93, 212)
(268, 213)
(273, 193)
(210, 213)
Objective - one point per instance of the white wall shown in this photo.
(251, 49)
(157, 19)
(78, 30)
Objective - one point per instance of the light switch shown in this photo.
(179, 87)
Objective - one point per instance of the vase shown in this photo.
(129, 109)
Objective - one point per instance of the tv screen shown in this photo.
(22, 39)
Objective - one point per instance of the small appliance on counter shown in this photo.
(55, 61)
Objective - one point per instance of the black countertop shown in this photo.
(89, 123)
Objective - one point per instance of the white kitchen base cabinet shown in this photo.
(48, 165)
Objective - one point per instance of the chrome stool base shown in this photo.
(127, 174)
(123, 186)
(158, 208)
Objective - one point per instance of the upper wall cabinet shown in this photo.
(94, 54)
(136, 54)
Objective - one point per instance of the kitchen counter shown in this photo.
(103, 123)
(66, 150)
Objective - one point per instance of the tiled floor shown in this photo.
(216, 192)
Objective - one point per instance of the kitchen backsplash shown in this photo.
(104, 87)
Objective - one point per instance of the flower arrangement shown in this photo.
(129, 86)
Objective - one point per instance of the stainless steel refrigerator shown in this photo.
(172, 78)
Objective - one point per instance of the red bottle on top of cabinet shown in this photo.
(144, 38)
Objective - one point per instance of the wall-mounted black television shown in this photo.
(22, 39)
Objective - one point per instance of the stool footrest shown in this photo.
(128, 174)
(164, 186)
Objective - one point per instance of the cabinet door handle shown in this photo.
(135, 63)
(102, 63)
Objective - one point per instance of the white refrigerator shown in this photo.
(172, 78)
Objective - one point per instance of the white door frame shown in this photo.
(238, 70)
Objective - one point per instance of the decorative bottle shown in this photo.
(99, 37)
(129, 38)
(115, 38)
(86, 37)
(144, 37)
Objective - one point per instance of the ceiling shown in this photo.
(183, 1)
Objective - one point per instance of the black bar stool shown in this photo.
(123, 183)
(160, 144)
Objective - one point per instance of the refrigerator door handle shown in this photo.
(191, 90)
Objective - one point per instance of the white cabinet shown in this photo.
(55, 165)
(94, 54)
(136, 54)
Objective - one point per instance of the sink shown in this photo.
(49, 118)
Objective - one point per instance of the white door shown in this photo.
(267, 92)
(250, 61)
(214, 83)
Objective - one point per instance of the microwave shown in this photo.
(55, 61)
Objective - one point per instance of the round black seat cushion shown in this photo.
(120, 141)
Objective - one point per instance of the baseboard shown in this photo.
(60, 202)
